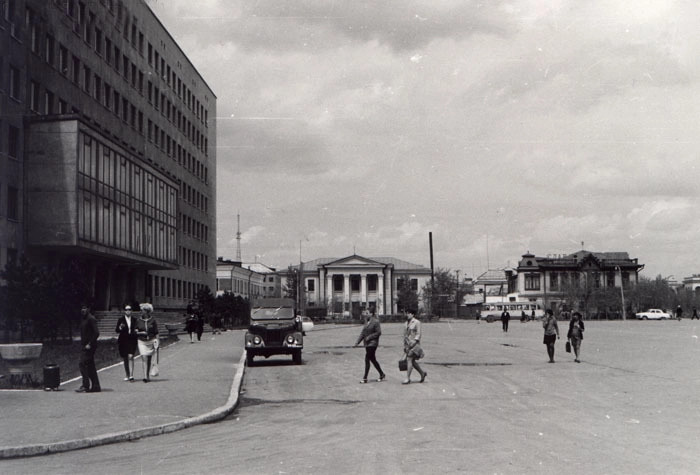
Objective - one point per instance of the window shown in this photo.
(76, 70)
(34, 96)
(49, 50)
(87, 79)
(48, 102)
(532, 282)
(12, 203)
(338, 283)
(108, 96)
(310, 285)
(13, 141)
(63, 60)
(610, 279)
(97, 91)
(14, 82)
(372, 282)
(554, 281)
(62, 106)
(98, 41)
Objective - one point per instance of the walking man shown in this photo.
(505, 318)
(370, 334)
(88, 345)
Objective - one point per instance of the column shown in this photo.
(329, 291)
(346, 291)
(321, 291)
(381, 309)
(363, 289)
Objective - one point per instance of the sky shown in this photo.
(500, 127)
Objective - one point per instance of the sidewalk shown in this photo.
(198, 383)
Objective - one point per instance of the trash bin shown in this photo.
(52, 377)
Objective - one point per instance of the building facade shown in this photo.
(349, 285)
(107, 150)
(241, 281)
(548, 280)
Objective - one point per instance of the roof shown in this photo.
(397, 264)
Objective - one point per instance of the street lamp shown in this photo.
(622, 294)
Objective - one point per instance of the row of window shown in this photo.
(173, 288)
(196, 229)
(12, 140)
(85, 26)
(123, 205)
(561, 280)
(239, 286)
(193, 259)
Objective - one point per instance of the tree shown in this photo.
(291, 286)
(441, 293)
(406, 297)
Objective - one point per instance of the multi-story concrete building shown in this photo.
(547, 279)
(107, 150)
(351, 284)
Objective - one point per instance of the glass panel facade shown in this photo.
(123, 205)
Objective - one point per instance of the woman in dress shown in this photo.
(551, 332)
(575, 334)
(411, 346)
(147, 331)
(191, 325)
(126, 327)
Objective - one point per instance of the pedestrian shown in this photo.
(695, 313)
(523, 316)
(370, 334)
(551, 332)
(126, 328)
(575, 334)
(532, 317)
(679, 313)
(200, 326)
(147, 328)
(191, 325)
(411, 346)
(88, 345)
(505, 318)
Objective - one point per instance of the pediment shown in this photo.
(353, 261)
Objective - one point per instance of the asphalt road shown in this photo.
(491, 404)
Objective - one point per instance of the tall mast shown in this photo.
(238, 239)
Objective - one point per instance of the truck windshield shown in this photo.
(279, 313)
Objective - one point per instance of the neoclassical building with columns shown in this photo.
(349, 285)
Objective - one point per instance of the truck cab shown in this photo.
(274, 329)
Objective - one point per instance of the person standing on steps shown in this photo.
(370, 335)
(551, 332)
(411, 346)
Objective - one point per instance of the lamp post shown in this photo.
(622, 294)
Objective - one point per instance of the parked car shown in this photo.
(306, 324)
(653, 314)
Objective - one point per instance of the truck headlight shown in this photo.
(257, 340)
(290, 339)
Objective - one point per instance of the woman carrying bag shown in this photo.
(411, 347)
(147, 331)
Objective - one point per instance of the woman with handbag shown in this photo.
(411, 346)
(126, 327)
(147, 331)
(575, 334)
(551, 332)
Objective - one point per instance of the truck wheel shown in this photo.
(296, 357)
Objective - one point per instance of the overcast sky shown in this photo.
(499, 126)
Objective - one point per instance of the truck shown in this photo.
(275, 329)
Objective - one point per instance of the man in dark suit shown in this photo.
(88, 345)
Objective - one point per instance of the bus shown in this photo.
(491, 311)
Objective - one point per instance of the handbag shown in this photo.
(403, 364)
(568, 347)
(154, 366)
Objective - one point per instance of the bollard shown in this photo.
(52, 377)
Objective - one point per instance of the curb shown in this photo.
(124, 436)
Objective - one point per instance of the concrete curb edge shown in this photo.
(124, 436)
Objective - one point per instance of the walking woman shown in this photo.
(147, 330)
(191, 325)
(551, 332)
(411, 346)
(126, 327)
(370, 334)
(575, 334)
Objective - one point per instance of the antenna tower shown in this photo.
(238, 239)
